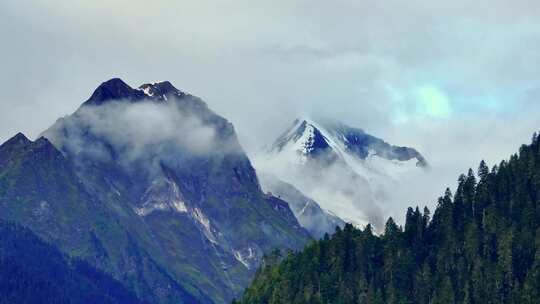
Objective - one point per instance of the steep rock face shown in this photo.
(33, 271)
(481, 244)
(40, 189)
(308, 212)
(363, 145)
(349, 172)
(114, 89)
(173, 181)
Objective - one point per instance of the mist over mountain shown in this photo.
(152, 187)
(309, 213)
(354, 175)
(172, 151)
(481, 244)
(414, 73)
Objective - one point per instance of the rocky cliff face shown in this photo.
(309, 213)
(348, 171)
(151, 186)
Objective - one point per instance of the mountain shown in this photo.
(308, 212)
(335, 141)
(348, 171)
(482, 245)
(151, 186)
(36, 272)
(40, 189)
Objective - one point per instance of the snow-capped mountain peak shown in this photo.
(310, 139)
(304, 137)
(348, 171)
(160, 90)
(116, 89)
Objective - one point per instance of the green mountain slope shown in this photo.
(40, 190)
(482, 245)
(32, 271)
(152, 187)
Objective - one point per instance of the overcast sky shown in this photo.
(457, 80)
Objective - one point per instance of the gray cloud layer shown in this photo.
(261, 64)
(138, 131)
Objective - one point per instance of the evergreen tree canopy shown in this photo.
(481, 245)
(32, 271)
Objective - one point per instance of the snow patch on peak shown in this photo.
(165, 195)
(349, 172)
(147, 91)
(305, 143)
(146, 210)
(179, 206)
(302, 140)
(204, 222)
(304, 208)
(158, 82)
(246, 256)
(162, 195)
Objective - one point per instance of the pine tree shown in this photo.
(481, 245)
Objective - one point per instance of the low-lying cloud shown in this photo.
(335, 187)
(456, 80)
(141, 132)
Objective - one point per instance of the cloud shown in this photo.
(432, 102)
(138, 133)
(334, 186)
(261, 64)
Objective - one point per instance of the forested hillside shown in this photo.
(32, 271)
(480, 245)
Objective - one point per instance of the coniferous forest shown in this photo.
(33, 271)
(270, 152)
(480, 245)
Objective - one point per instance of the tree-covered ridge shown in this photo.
(32, 271)
(482, 245)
